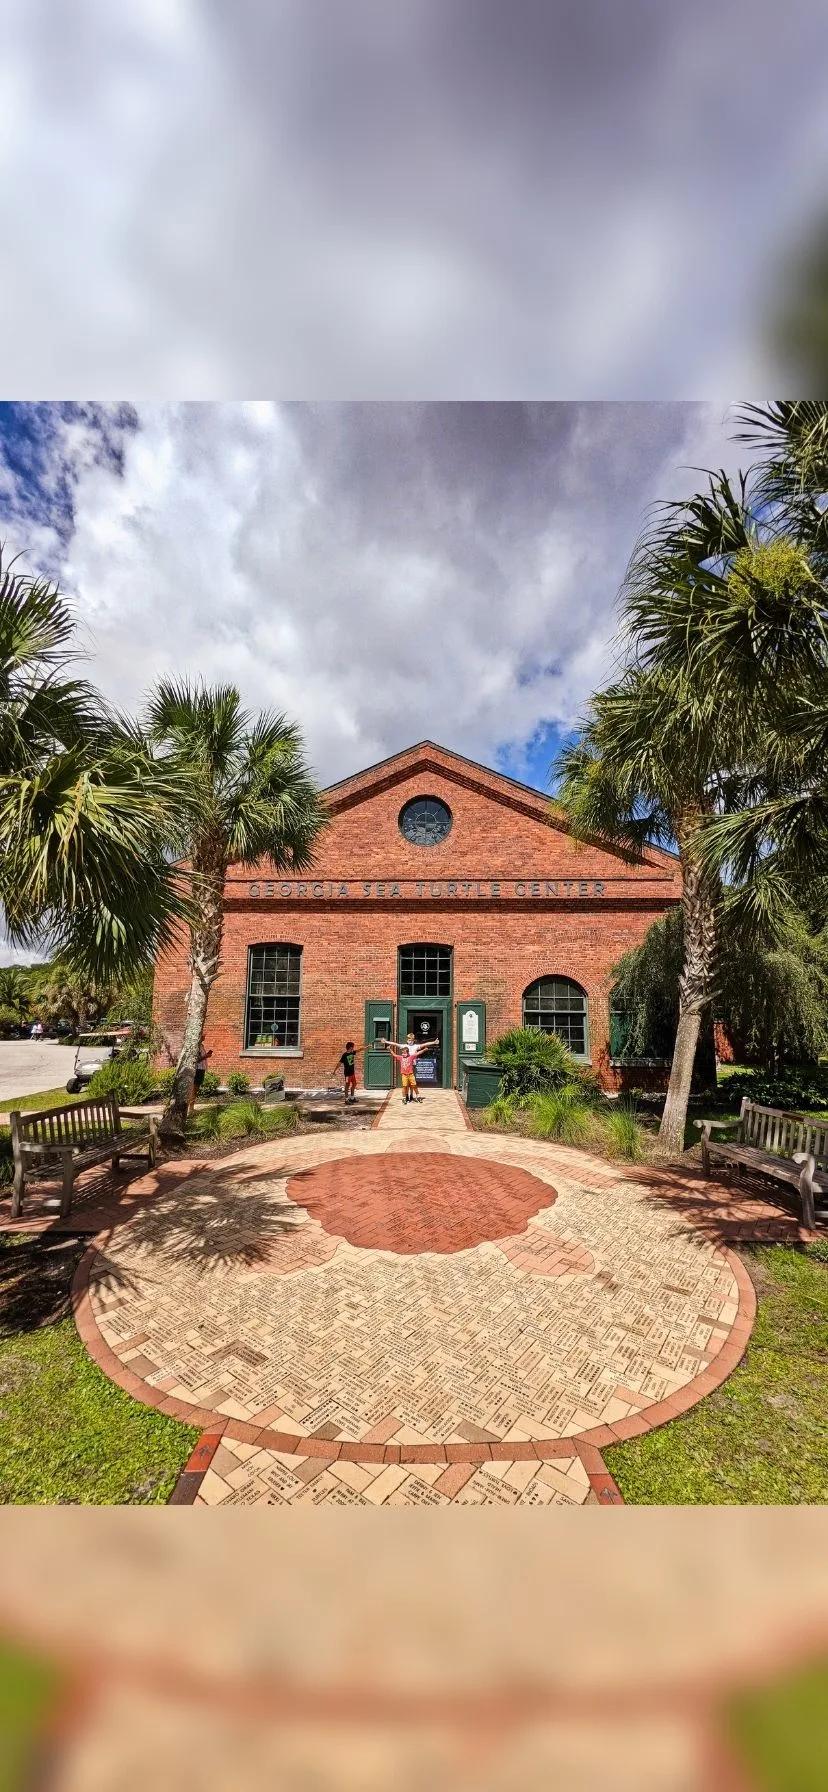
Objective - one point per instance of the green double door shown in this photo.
(428, 1018)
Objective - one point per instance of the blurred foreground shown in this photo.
(436, 197)
(486, 1652)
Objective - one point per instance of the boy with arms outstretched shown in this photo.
(407, 1057)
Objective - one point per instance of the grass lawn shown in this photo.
(68, 1436)
(760, 1439)
(781, 1733)
(46, 1098)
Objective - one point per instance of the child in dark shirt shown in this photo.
(348, 1063)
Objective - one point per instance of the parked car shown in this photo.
(94, 1050)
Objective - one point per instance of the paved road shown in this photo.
(26, 1067)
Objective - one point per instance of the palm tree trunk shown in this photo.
(695, 990)
(209, 870)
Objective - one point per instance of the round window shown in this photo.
(425, 822)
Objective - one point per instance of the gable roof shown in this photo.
(427, 756)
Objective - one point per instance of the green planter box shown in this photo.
(481, 1082)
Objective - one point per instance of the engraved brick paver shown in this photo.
(383, 1327)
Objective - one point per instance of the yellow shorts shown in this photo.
(409, 1081)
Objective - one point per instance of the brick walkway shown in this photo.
(414, 1315)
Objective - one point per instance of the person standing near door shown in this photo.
(407, 1057)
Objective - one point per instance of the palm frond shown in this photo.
(794, 433)
(36, 623)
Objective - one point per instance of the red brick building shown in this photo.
(445, 899)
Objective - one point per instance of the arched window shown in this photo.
(273, 997)
(557, 1005)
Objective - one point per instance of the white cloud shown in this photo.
(381, 573)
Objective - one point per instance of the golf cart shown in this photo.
(94, 1050)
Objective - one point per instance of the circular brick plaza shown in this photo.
(441, 1324)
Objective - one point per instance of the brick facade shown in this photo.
(509, 890)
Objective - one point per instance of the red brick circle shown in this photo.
(429, 1201)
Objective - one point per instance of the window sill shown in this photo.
(639, 1063)
(272, 1051)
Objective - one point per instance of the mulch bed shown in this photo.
(36, 1279)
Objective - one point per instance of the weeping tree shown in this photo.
(771, 996)
(246, 795)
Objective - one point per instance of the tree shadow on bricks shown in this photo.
(735, 1213)
(225, 1220)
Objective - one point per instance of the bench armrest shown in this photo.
(707, 1126)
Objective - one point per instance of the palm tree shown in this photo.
(739, 610)
(246, 795)
(65, 996)
(645, 770)
(14, 991)
(717, 735)
(84, 808)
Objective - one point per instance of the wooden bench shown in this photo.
(790, 1148)
(75, 1137)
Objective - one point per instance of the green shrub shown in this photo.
(205, 1123)
(533, 1062)
(238, 1083)
(9, 1021)
(797, 1089)
(623, 1133)
(128, 1080)
(162, 1081)
(282, 1119)
(818, 1249)
(563, 1114)
(243, 1120)
(6, 1159)
(501, 1111)
(211, 1083)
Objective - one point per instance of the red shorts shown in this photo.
(350, 1083)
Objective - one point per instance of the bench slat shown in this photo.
(766, 1161)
